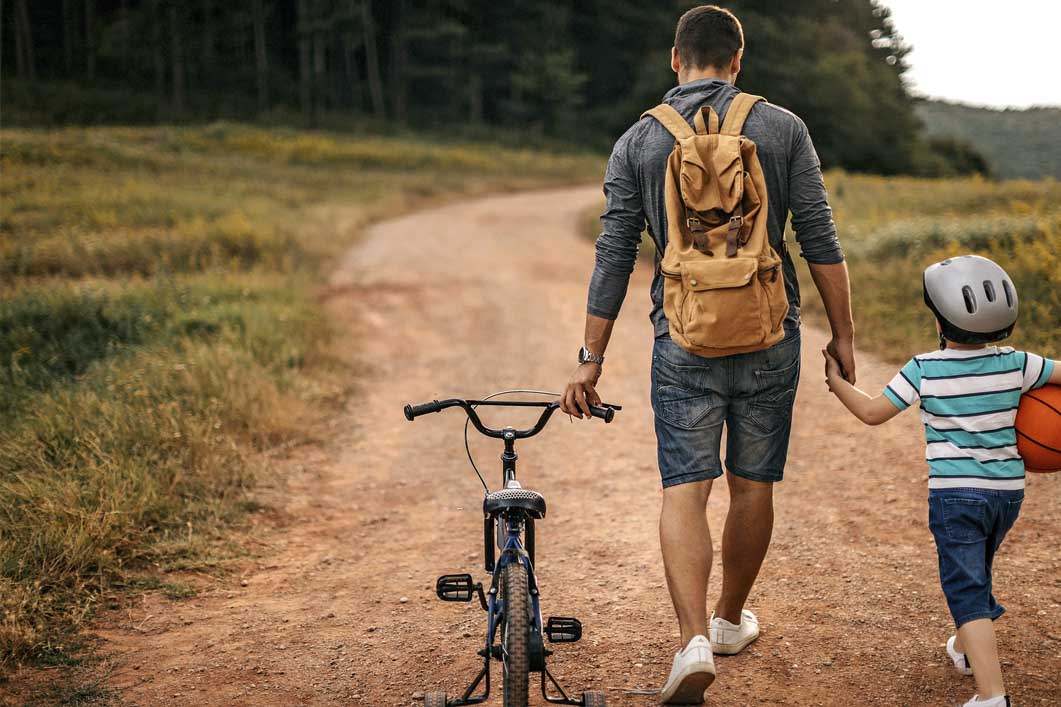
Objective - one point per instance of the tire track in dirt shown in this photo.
(478, 296)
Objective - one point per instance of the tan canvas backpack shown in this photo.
(723, 291)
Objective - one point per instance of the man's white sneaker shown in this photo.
(693, 671)
(961, 661)
(1000, 701)
(730, 639)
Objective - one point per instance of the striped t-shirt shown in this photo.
(969, 400)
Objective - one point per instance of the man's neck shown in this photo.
(710, 72)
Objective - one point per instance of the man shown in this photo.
(750, 394)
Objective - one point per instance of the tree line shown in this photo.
(576, 70)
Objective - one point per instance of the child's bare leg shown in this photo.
(976, 639)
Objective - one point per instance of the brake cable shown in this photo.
(468, 448)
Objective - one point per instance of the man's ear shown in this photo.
(734, 64)
(675, 61)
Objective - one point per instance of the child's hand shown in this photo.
(832, 368)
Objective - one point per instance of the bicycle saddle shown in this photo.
(530, 501)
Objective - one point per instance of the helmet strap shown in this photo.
(942, 342)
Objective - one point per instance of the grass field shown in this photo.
(892, 228)
(157, 313)
(158, 331)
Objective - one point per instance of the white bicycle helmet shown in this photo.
(973, 299)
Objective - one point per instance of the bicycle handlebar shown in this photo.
(605, 412)
(413, 411)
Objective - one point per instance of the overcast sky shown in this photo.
(985, 52)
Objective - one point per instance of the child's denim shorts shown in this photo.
(969, 525)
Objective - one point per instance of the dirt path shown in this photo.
(475, 297)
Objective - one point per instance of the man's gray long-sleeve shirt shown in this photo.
(634, 184)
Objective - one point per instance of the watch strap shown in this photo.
(587, 356)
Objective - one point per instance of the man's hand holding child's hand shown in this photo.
(832, 369)
(871, 410)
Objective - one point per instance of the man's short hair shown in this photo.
(708, 35)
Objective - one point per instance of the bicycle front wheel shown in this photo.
(515, 630)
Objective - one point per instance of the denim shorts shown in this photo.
(751, 394)
(969, 525)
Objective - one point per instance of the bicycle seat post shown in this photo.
(509, 457)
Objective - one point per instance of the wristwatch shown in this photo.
(587, 356)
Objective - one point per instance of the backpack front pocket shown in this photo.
(722, 303)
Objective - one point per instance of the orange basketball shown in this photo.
(1039, 429)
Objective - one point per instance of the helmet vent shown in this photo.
(1009, 293)
(970, 299)
(989, 290)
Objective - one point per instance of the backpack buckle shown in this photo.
(694, 224)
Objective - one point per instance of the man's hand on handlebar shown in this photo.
(581, 391)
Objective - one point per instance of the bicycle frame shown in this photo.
(515, 524)
(510, 529)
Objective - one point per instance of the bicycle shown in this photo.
(512, 601)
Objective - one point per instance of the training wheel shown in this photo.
(593, 698)
(437, 699)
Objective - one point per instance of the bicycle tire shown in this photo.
(515, 632)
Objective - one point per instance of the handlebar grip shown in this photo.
(605, 413)
(413, 411)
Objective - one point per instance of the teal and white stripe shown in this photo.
(969, 402)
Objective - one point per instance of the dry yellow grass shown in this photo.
(893, 228)
(156, 314)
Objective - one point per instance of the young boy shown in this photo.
(969, 392)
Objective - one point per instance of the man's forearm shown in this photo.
(598, 333)
(580, 392)
(835, 291)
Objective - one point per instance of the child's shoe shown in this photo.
(1000, 701)
(961, 661)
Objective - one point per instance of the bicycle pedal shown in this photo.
(563, 629)
(456, 587)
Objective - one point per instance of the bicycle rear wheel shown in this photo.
(515, 637)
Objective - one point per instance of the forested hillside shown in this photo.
(575, 70)
(1016, 143)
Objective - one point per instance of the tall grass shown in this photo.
(158, 329)
(893, 228)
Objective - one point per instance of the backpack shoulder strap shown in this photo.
(737, 113)
(671, 119)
